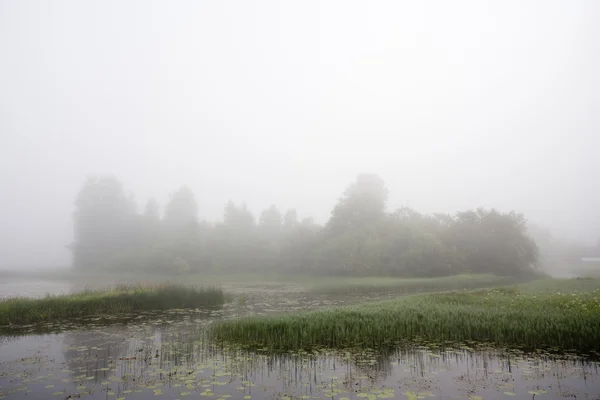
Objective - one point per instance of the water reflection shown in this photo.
(173, 358)
(167, 354)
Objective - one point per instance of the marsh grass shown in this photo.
(537, 316)
(121, 299)
(574, 285)
(407, 285)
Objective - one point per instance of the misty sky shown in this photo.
(456, 104)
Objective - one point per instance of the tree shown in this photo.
(236, 244)
(413, 245)
(182, 209)
(238, 219)
(270, 221)
(352, 230)
(360, 238)
(184, 238)
(150, 225)
(299, 243)
(494, 242)
(152, 211)
(104, 222)
(361, 206)
(290, 220)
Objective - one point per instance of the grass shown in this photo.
(537, 315)
(407, 285)
(122, 299)
(314, 284)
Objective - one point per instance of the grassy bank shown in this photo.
(407, 285)
(532, 316)
(122, 299)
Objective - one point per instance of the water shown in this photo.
(171, 359)
(33, 288)
(167, 355)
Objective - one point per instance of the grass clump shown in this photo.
(121, 299)
(520, 316)
(408, 285)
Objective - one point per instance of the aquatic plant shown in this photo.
(520, 316)
(408, 285)
(121, 299)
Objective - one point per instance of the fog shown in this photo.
(456, 105)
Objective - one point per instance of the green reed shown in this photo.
(520, 316)
(122, 299)
(408, 285)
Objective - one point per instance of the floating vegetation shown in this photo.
(175, 361)
(408, 285)
(523, 317)
(120, 300)
(171, 354)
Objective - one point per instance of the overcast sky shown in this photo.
(456, 104)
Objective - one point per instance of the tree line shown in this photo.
(360, 238)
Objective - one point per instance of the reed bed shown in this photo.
(524, 317)
(408, 285)
(121, 299)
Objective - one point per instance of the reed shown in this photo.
(121, 299)
(408, 285)
(520, 316)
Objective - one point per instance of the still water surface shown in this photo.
(34, 288)
(167, 355)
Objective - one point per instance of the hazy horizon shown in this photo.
(455, 105)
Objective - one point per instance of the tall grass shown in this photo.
(408, 285)
(514, 317)
(122, 299)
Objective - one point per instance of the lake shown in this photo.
(167, 355)
(33, 288)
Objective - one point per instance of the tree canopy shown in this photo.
(360, 238)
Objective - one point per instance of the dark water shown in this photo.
(167, 355)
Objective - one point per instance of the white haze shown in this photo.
(456, 104)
